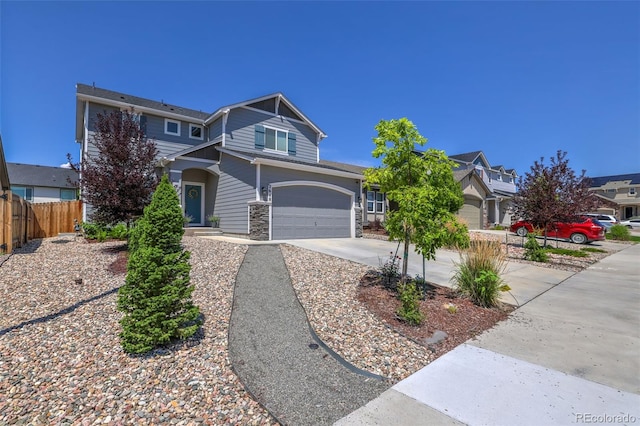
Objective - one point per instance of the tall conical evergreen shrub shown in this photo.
(156, 296)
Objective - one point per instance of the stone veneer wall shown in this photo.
(259, 220)
(358, 222)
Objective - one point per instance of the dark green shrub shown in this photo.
(92, 229)
(102, 235)
(478, 273)
(156, 296)
(410, 296)
(119, 232)
(533, 251)
(620, 232)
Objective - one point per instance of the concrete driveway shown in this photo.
(526, 281)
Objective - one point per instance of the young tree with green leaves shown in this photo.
(156, 296)
(119, 181)
(553, 193)
(422, 188)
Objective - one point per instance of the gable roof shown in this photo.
(4, 174)
(353, 168)
(288, 163)
(634, 179)
(458, 175)
(278, 95)
(467, 157)
(84, 91)
(46, 176)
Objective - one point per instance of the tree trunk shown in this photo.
(405, 258)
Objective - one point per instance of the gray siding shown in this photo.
(240, 132)
(269, 175)
(165, 149)
(236, 188)
(215, 129)
(154, 127)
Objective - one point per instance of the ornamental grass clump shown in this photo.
(156, 297)
(478, 273)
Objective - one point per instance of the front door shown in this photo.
(193, 203)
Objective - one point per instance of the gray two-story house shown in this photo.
(488, 194)
(254, 164)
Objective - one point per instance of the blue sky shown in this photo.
(517, 80)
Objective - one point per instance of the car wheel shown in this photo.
(578, 238)
(522, 231)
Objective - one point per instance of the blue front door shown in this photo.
(193, 203)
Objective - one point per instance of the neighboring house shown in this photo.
(620, 191)
(487, 191)
(42, 184)
(5, 183)
(254, 164)
(373, 200)
(488, 205)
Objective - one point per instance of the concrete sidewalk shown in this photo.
(569, 356)
(526, 281)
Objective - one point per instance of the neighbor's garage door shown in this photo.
(310, 212)
(471, 212)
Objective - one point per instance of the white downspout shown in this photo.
(258, 182)
(224, 126)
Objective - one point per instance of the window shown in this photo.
(24, 192)
(375, 202)
(171, 127)
(68, 194)
(275, 139)
(632, 191)
(611, 190)
(195, 131)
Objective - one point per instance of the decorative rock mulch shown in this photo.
(327, 288)
(60, 358)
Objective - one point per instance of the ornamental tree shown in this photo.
(422, 188)
(156, 297)
(552, 193)
(117, 181)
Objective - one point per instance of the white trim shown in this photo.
(201, 184)
(324, 185)
(283, 98)
(175, 171)
(152, 111)
(257, 182)
(192, 149)
(225, 117)
(200, 160)
(169, 120)
(286, 139)
(197, 126)
(270, 220)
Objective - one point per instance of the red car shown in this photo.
(583, 230)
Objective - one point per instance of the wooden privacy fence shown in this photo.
(23, 221)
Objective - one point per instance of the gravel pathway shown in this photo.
(276, 355)
(60, 357)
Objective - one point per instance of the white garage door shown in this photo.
(310, 212)
(471, 212)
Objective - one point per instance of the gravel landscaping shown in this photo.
(61, 362)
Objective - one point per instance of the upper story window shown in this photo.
(25, 192)
(611, 190)
(171, 127)
(375, 202)
(273, 139)
(67, 194)
(632, 191)
(196, 132)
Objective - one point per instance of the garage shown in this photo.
(471, 212)
(310, 212)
